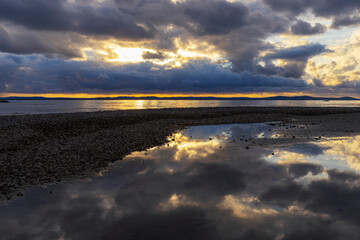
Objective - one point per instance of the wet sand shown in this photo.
(43, 149)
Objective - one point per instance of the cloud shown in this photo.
(339, 11)
(320, 196)
(294, 7)
(305, 28)
(298, 53)
(63, 15)
(72, 76)
(302, 169)
(338, 68)
(216, 178)
(344, 21)
(21, 41)
(153, 55)
(207, 17)
(320, 8)
(218, 17)
(308, 149)
(210, 30)
(294, 60)
(338, 176)
(231, 28)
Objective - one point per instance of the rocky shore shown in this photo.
(42, 149)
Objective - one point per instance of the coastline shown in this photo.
(44, 149)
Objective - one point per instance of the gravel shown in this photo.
(49, 148)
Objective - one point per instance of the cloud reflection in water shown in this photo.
(203, 185)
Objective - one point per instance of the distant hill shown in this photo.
(282, 98)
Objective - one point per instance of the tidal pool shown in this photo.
(208, 182)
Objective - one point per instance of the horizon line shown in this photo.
(119, 97)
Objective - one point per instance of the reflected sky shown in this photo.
(341, 153)
(206, 183)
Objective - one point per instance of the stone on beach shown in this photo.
(38, 149)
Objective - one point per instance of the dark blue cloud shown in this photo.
(298, 53)
(337, 10)
(63, 28)
(295, 61)
(218, 17)
(22, 41)
(40, 75)
(305, 28)
(231, 27)
(343, 21)
(62, 15)
(302, 169)
(320, 8)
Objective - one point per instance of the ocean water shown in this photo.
(208, 183)
(68, 106)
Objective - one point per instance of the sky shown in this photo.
(179, 47)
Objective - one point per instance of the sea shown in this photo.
(21, 107)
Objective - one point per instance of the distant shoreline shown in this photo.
(276, 98)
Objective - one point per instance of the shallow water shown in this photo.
(208, 182)
(69, 106)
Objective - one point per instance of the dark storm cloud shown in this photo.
(294, 7)
(62, 28)
(230, 27)
(217, 178)
(219, 17)
(338, 10)
(286, 194)
(305, 28)
(152, 55)
(21, 41)
(291, 69)
(61, 15)
(45, 75)
(335, 197)
(302, 169)
(298, 53)
(338, 176)
(345, 21)
(199, 17)
(320, 8)
(295, 60)
(244, 45)
(206, 17)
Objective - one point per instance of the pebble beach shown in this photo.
(50, 148)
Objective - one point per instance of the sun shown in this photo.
(128, 55)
